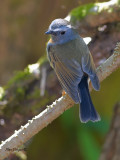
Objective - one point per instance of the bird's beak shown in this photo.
(49, 32)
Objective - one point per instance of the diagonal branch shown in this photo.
(55, 110)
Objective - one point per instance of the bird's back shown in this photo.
(74, 49)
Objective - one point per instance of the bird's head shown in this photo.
(61, 31)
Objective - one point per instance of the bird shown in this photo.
(73, 64)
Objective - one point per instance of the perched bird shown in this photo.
(73, 64)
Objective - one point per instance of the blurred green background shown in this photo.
(23, 42)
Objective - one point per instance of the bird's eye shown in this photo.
(63, 32)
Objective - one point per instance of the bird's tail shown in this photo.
(87, 110)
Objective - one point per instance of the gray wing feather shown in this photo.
(69, 74)
(89, 68)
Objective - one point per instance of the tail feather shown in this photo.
(87, 110)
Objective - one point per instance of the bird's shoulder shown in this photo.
(50, 45)
(51, 53)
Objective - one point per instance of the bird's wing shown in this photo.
(69, 74)
(89, 68)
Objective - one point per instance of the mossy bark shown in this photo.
(88, 17)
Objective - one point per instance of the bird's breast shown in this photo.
(50, 40)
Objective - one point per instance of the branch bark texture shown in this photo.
(55, 110)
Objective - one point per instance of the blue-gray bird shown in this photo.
(73, 64)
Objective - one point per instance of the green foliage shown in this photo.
(81, 11)
(2, 92)
(91, 8)
(88, 144)
(42, 60)
(108, 95)
(88, 135)
(20, 93)
(19, 77)
(119, 2)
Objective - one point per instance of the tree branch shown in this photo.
(90, 16)
(55, 110)
(111, 148)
